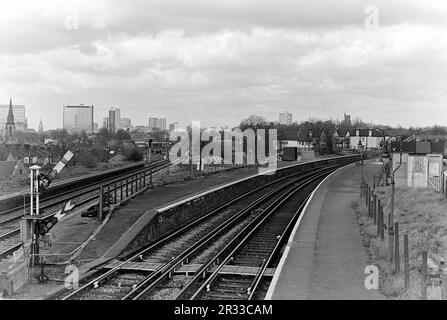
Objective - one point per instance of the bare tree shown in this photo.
(253, 122)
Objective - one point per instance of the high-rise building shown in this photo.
(78, 118)
(157, 123)
(105, 123)
(114, 120)
(173, 126)
(40, 126)
(285, 118)
(19, 116)
(95, 127)
(126, 123)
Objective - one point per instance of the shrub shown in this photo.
(135, 155)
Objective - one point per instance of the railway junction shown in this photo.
(234, 235)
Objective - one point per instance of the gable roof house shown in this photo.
(366, 138)
(341, 139)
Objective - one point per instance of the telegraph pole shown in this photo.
(391, 218)
(391, 222)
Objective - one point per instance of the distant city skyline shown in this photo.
(142, 120)
(219, 63)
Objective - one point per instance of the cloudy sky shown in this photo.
(221, 61)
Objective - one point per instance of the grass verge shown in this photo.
(421, 214)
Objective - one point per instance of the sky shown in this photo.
(219, 62)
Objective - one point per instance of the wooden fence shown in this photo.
(429, 277)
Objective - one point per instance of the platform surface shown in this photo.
(325, 258)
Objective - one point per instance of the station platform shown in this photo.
(127, 222)
(325, 258)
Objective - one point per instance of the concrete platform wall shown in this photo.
(175, 216)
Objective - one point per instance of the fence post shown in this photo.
(396, 248)
(368, 199)
(390, 239)
(424, 275)
(368, 195)
(100, 205)
(375, 209)
(382, 224)
(141, 180)
(406, 263)
(379, 219)
(127, 187)
(109, 195)
(131, 186)
(361, 189)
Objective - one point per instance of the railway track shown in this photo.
(199, 247)
(260, 247)
(255, 246)
(83, 196)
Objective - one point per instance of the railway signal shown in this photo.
(46, 224)
(44, 180)
(36, 225)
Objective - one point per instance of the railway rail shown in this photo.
(208, 245)
(115, 188)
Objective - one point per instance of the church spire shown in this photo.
(10, 127)
(10, 118)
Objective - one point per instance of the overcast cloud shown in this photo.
(219, 62)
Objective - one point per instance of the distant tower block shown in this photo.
(10, 127)
(347, 120)
(285, 118)
(40, 126)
